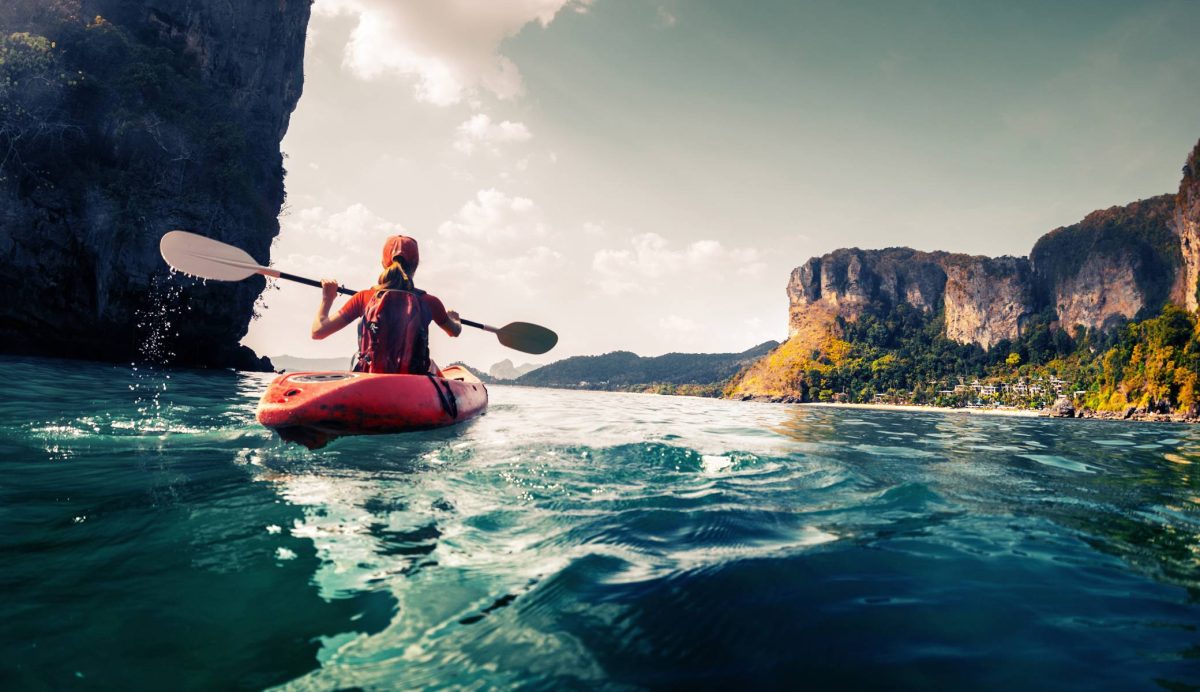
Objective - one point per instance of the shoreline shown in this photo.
(916, 408)
(1131, 416)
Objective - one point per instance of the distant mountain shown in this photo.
(686, 373)
(483, 376)
(505, 370)
(297, 364)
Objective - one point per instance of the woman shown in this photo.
(393, 336)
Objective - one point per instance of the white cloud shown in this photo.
(450, 47)
(494, 238)
(675, 323)
(351, 226)
(498, 241)
(592, 229)
(481, 133)
(650, 261)
(494, 217)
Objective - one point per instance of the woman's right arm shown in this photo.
(453, 323)
(324, 325)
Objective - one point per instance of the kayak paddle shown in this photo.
(206, 258)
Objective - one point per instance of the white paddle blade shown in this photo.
(206, 258)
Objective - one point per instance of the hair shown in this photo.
(396, 276)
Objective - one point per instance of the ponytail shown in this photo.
(396, 276)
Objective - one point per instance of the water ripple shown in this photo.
(574, 539)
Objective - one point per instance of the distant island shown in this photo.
(696, 374)
(506, 370)
(1099, 320)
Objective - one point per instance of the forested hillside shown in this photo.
(673, 373)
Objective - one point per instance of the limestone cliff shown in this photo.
(1115, 265)
(987, 300)
(121, 120)
(850, 281)
(1185, 222)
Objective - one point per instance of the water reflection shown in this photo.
(1110, 484)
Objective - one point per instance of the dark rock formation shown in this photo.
(150, 115)
(1062, 408)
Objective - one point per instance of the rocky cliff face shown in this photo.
(150, 115)
(1113, 266)
(850, 281)
(985, 299)
(1185, 222)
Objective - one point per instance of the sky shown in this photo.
(643, 175)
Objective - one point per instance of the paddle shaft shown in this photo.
(308, 282)
(478, 325)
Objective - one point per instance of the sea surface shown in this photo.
(153, 536)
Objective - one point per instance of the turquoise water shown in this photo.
(153, 536)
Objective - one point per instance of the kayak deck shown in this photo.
(313, 408)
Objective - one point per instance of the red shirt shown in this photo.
(353, 309)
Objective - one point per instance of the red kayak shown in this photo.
(313, 408)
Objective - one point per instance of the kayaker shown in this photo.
(393, 336)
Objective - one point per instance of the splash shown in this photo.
(154, 351)
(154, 319)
